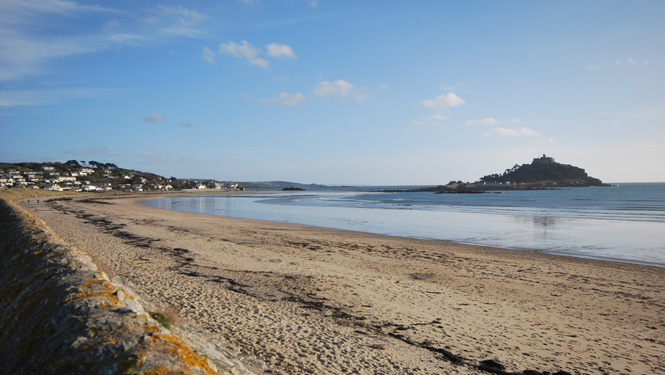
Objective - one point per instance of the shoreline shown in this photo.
(297, 299)
(461, 221)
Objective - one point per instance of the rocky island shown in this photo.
(542, 173)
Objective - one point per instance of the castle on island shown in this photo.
(543, 160)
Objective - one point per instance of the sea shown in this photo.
(623, 222)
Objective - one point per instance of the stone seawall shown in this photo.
(60, 315)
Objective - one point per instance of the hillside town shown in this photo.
(94, 176)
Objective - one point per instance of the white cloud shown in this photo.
(155, 117)
(444, 101)
(280, 51)
(340, 88)
(486, 121)
(515, 121)
(208, 55)
(314, 4)
(285, 99)
(187, 124)
(521, 132)
(441, 103)
(244, 51)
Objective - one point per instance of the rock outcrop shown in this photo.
(60, 315)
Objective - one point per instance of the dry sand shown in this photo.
(301, 299)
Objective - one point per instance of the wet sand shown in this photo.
(293, 299)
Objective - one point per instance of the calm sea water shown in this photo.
(624, 222)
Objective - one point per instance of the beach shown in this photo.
(296, 299)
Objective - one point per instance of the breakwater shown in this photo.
(60, 315)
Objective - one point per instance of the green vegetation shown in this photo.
(161, 319)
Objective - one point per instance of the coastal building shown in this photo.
(543, 160)
(66, 179)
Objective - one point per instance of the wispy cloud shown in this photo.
(441, 104)
(13, 98)
(485, 121)
(505, 132)
(444, 101)
(187, 124)
(208, 55)
(127, 39)
(617, 63)
(31, 35)
(339, 88)
(181, 21)
(153, 118)
(592, 66)
(285, 99)
(431, 120)
(36, 33)
(186, 16)
(244, 51)
(253, 55)
(280, 51)
(28, 56)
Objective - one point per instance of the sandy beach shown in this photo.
(294, 299)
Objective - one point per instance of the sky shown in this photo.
(335, 92)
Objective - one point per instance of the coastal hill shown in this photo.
(95, 176)
(542, 173)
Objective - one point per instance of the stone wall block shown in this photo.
(60, 315)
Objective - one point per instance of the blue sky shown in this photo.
(335, 92)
